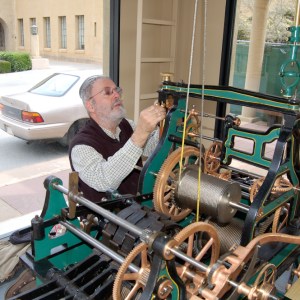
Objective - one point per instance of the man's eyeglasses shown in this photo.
(108, 91)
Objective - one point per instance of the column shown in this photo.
(256, 54)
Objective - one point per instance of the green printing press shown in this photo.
(201, 227)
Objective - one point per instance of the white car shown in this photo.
(51, 110)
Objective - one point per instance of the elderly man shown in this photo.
(107, 150)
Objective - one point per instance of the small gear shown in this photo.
(138, 279)
(193, 129)
(212, 158)
(264, 284)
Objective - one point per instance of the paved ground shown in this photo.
(21, 199)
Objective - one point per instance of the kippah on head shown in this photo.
(86, 87)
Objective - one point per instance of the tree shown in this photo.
(281, 16)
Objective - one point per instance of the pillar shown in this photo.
(256, 53)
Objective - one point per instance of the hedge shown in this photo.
(20, 61)
(5, 66)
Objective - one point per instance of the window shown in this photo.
(63, 32)
(56, 85)
(32, 21)
(47, 32)
(80, 29)
(260, 49)
(21, 32)
(256, 64)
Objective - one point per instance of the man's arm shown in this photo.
(151, 142)
(147, 122)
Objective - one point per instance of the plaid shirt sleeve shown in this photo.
(151, 142)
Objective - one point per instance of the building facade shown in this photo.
(65, 29)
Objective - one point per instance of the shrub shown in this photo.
(20, 61)
(5, 66)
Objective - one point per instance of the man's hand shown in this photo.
(148, 120)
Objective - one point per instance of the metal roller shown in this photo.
(229, 235)
(217, 196)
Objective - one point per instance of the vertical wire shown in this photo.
(202, 108)
(188, 88)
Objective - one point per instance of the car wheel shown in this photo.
(73, 130)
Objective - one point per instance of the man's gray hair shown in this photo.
(86, 87)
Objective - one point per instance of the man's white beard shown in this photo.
(118, 116)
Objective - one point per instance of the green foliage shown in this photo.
(19, 61)
(5, 66)
(281, 15)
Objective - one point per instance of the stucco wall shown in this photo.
(213, 47)
(24, 9)
(7, 20)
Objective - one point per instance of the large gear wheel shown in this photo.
(281, 185)
(137, 280)
(200, 241)
(212, 158)
(166, 181)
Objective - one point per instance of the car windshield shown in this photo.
(56, 85)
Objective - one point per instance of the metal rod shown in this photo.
(240, 206)
(104, 212)
(211, 139)
(245, 187)
(193, 262)
(245, 195)
(236, 285)
(212, 116)
(206, 115)
(204, 137)
(96, 244)
(233, 284)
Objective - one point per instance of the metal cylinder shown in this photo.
(38, 230)
(229, 234)
(215, 194)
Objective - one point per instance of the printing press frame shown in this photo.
(172, 266)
